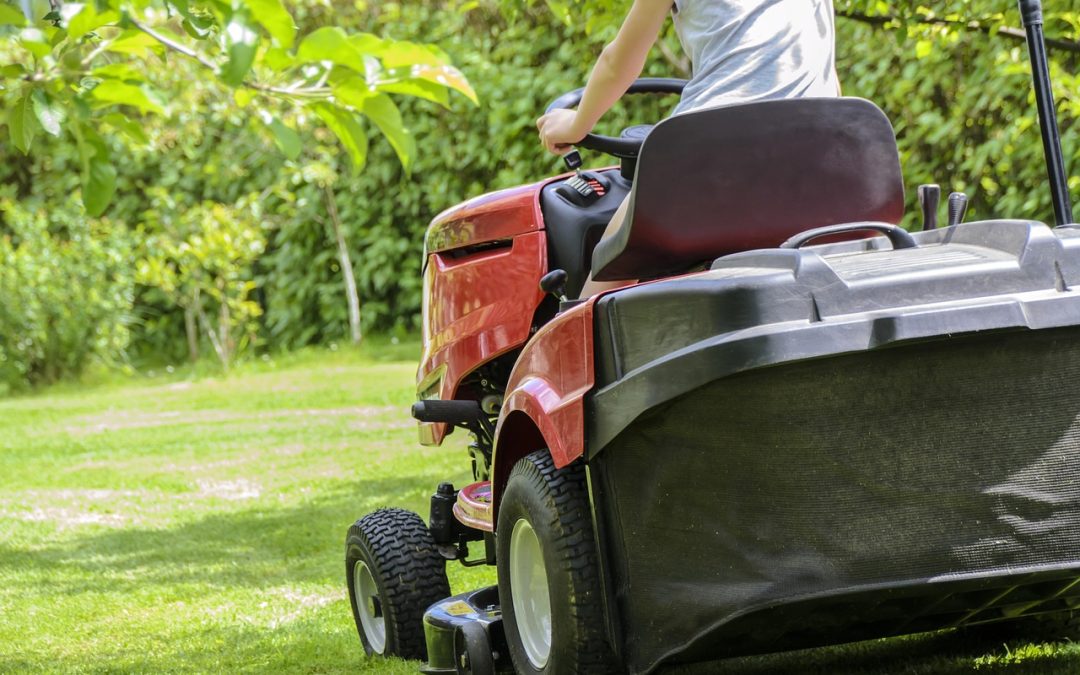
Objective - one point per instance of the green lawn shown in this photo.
(166, 525)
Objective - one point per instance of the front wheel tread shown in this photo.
(580, 645)
(410, 575)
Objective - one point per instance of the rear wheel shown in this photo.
(549, 581)
(394, 573)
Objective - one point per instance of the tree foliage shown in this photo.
(256, 164)
(954, 78)
(65, 292)
(84, 69)
(123, 103)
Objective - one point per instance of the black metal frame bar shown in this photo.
(1032, 16)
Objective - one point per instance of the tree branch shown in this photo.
(175, 46)
(305, 92)
(1007, 31)
(352, 296)
(96, 52)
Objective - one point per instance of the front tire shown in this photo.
(549, 579)
(394, 573)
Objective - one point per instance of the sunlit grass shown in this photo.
(198, 526)
(194, 522)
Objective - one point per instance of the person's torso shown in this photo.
(751, 50)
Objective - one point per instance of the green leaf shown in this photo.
(58, 36)
(118, 71)
(11, 16)
(34, 41)
(98, 173)
(88, 20)
(366, 43)
(21, 124)
(12, 70)
(194, 31)
(197, 22)
(288, 141)
(243, 43)
(330, 44)
(346, 128)
(419, 88)
(398, 54)
(272, 15)
(49, 113)
(381, 110)
(447, 76)
(136, 43)
(99, 185)
(350, 89)
(278, 59)
(133, 130)
(112, 92)
(561, 10)
(243, 96)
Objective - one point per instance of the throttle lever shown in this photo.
(958, 204)
(573, 161)
(929, 198)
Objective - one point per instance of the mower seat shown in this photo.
(746, 176)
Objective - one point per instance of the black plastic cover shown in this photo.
(812, 446)
(573, 230)
(845, 498)
(761, 308)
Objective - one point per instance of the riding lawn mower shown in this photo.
(796, 424)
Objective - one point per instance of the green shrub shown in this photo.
(65, 293)
(517, 67)
(960, 100)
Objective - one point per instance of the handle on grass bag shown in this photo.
(899, 237)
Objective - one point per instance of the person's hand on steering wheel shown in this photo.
(560, 130)
(619, 64)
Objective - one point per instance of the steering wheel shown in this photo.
(624, 148)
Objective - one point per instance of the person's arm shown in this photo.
(620, 63)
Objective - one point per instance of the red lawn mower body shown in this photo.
(763, 444)
(469, 321)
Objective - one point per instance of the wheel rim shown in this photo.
(529, 588)
(368, 607)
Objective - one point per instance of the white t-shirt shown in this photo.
(752, 50)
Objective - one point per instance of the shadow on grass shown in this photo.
(259, 548)
(251, 549)
(256, 547)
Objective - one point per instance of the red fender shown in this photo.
(546, 394)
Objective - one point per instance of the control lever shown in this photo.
(573, 160)
(929, 199)
(554, 283)
(958, 204)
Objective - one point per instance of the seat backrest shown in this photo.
(746, 176)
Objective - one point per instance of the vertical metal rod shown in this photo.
(1031, 14)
